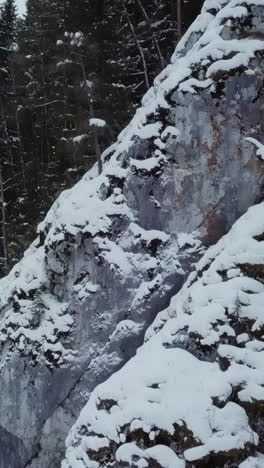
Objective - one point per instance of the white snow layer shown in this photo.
(173, 384)
(259, 146)
(97, 122)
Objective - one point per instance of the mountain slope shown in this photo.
(113, 250)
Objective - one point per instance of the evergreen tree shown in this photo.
(7, 36)
(7, 139)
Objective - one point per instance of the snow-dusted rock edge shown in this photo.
(113, 250)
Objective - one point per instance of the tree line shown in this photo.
(72, 73)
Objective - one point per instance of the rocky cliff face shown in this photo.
(113, 251)
(193, 395)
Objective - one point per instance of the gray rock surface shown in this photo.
(113, 250)
(193, 395)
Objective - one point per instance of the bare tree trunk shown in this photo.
(22, 162)
(4, 233)
(5, 131)
(64, 69)
(18, 129)
(138, 46)
(45, 150)
(46, 136)
(179, 18)
(91, 109)
(97, 150)
(173, 9)
(162, 61)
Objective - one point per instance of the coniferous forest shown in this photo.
(72, 73)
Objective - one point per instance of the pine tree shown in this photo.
(7, 36)
(7, 157)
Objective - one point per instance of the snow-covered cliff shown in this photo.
(113, 250)
(193, 395)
